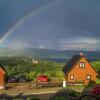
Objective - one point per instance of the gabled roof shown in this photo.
(74, 60)
(2, 68)
(71, 63)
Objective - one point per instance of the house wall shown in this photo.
(2, 80)
(81, 73)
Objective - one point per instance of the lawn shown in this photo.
(78, 88)
(97, 81)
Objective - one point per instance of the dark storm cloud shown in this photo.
(12, 11)
(65, 24)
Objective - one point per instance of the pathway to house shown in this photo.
(24, 91)
(39, 95)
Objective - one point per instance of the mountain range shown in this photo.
(46, 53)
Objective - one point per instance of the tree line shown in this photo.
(24, 67)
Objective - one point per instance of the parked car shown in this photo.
(23, 80)
(12, 80)
(95, 90)
(42, 78)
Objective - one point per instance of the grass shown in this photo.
(78, 88)
(97, 81)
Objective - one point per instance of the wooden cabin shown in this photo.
(79, 69)
(2, 77)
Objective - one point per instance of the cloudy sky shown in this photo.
(50, 24)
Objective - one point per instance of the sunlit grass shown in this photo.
(76, 87)
(97, 81)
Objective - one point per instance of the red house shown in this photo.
(79, 69)
(2, 77)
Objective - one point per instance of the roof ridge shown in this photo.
(71, 63)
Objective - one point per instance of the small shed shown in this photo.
(2, 77)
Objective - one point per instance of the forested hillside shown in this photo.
(25, 67)
(21, 66)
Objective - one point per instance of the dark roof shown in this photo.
(71, 63)
(2, 67)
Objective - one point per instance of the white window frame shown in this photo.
(72, 77)
(82, 65)
(88, 77)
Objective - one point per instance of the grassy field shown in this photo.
(97, 81)
(78, 88)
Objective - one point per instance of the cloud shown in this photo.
(62, 25)
(13, 13)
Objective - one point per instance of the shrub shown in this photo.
(60, 98)
(32, 98)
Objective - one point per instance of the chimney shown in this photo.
(81, 54)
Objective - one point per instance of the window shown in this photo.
(82, 64)
(88, 77)
(72, 77)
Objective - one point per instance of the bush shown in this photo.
(60, 98)
(32, 98)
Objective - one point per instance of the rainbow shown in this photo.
(4, 37)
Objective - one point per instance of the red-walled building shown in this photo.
(2, 77)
